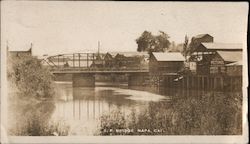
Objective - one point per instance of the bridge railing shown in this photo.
(98, 69)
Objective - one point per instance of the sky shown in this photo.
(56, 27)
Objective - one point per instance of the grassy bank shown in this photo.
(209, 114)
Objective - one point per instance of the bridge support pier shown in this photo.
(139, 79)
(63, 77)
(83, 80)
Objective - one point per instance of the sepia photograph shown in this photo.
(123, 72)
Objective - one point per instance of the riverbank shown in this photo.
(30, 98)
(211, 113)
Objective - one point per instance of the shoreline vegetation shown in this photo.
(31, 99)
(210, 114)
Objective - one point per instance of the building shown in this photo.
(234, 69)
(197, 40)
(125, 59)
(14, 54)
(233, 62)
(230, 52)
(203, 38)
(98, 61)
(213, 58)
(19, 53)
(109, 60)
(168, 62)
(213, 47)
(230, 56)
(207, 64)
(120, 60)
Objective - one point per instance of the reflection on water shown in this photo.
(82, 107)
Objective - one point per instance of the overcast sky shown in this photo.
(64, 27)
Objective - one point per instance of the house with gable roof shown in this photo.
(166, 62)
(214, 58)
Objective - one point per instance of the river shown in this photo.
(81, 108)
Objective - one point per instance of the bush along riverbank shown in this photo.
(209, 114)
(30, 99)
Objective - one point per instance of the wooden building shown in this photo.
(207, 64)
(109, 60)
(212, 58)
(168, 62)
(233, 62)
(98, 61)
(16, 54)
(214, 47)
(19, 53)
(230, 56)
(203, 38)
(125, 59)
(120, 61)
(198, 39)
(234, 69)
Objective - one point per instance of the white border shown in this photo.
(123, 139)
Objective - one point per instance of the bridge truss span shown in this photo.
(93, 63)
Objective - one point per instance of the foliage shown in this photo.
(150, 43)
(30, 77)
(209, 114)
(192, 46)
(31, 101)
(111, 122)
(185, 46)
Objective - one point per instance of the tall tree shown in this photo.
(144, 41)
(194, 43)
(162, 42)
(185, 47)
(150, 43)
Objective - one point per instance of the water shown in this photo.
(81, 108)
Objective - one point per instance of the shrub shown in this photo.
(210, 114)
(31, 98)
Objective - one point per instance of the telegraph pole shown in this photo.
(98, 48)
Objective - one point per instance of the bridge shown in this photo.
(81, 68)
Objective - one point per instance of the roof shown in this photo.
(108, 56)
(222, 46)
(238, 63)
(129, 54)
(201, 35)
(232, 56)
(20, 51)
(168, 56)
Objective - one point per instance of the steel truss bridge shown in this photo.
(86, 63)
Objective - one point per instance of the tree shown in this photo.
(150, 43)
(193, 45)
(144, 41)
(162, 42)
(30, 77)
(185, 47)
(31, 97)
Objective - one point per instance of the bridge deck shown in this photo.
(72, 71)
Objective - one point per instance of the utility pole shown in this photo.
(98, 48)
